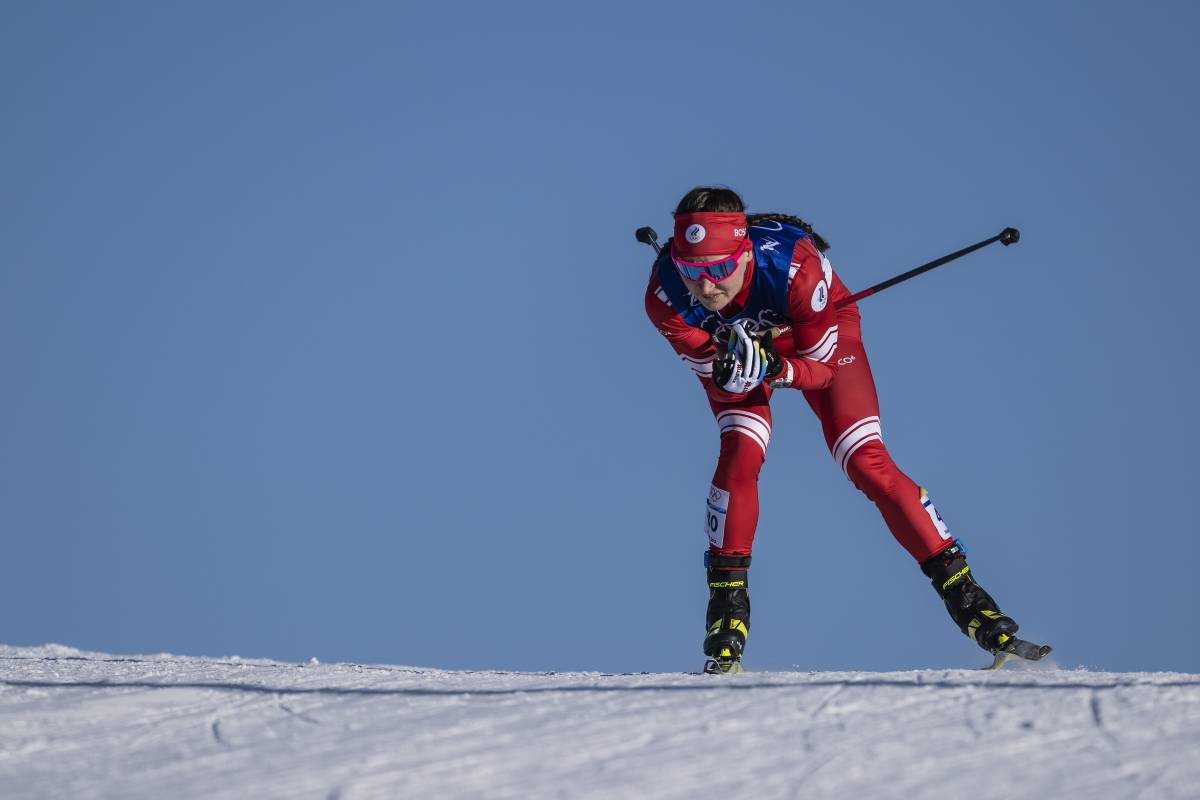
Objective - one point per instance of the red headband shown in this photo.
(708, 233)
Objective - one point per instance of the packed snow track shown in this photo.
(81, 725)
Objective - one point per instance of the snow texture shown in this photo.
(80, 725)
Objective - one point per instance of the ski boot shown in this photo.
(974, 610)
(728, 615)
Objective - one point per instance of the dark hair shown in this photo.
(721, 199)
(716, 199)
(788, 219)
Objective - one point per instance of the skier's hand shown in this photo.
(742, 366)
(773, 363)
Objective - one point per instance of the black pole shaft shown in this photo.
(1007, 236)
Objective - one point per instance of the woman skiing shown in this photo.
(723, 288)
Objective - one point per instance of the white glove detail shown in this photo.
(741, 368)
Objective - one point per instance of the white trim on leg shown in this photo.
(747, 423)
(863, 431)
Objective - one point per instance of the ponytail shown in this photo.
(788, 219)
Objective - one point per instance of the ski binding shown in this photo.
(723, 667)
(1018, 649)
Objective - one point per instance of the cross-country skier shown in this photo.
(719, 287)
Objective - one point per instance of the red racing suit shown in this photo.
(825, 354)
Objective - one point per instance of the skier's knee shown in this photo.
(873, 472)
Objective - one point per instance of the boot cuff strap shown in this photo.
(715, 561)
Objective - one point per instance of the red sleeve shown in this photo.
(810, 349)
(693, 345)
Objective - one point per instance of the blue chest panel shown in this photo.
(766, 307)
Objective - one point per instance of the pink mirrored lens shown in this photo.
(715, 271)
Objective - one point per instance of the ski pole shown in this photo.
(1005, 237)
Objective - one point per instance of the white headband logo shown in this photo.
(695, 233)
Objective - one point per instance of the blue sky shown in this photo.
(321, 326)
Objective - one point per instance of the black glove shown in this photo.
(773, 363)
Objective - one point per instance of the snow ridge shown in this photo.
(77, 724)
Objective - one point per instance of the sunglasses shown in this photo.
(715, 271)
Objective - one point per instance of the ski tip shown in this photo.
(1028, 650)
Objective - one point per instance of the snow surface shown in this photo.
(77, 725)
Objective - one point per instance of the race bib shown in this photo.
(932, 511)
(714, 516)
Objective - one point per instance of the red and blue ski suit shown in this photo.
(790, 282)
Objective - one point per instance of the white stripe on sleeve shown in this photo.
(701, 366)
(823, 350)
